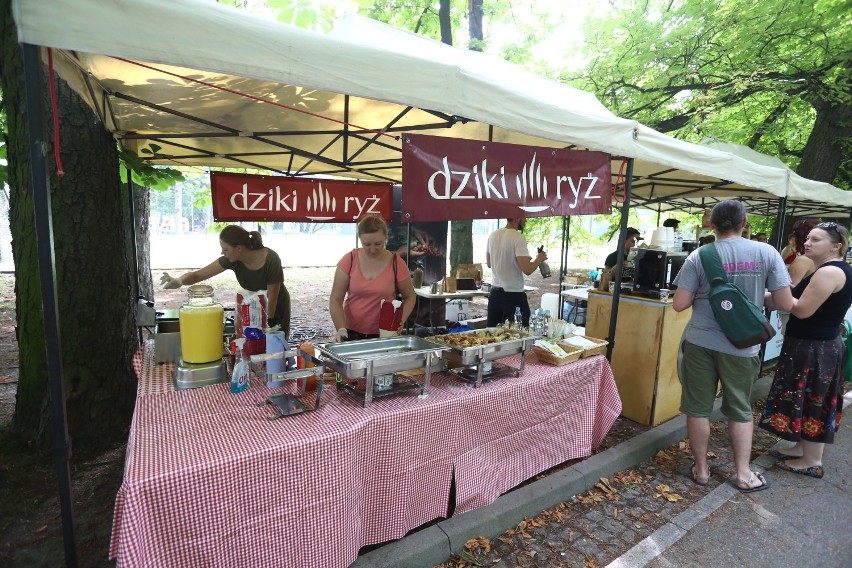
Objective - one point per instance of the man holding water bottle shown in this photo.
(507, 255)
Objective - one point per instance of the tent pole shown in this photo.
(61, 439)
(563, 255)
(133, 245)
(780, 239)
(619, 261)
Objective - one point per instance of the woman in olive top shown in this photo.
(256, 268)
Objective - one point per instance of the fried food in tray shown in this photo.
(477, 338)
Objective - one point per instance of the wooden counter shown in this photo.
(644, 356)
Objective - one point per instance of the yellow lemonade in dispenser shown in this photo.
(201, 326)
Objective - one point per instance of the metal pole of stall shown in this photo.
(780, 240)
(563, 263)
(133, 250)
(61, 439)
(563, 255)
(619, 261)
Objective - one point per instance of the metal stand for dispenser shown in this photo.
(286, 404)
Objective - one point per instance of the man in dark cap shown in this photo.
(633, 235)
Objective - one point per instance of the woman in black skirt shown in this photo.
(806, 399)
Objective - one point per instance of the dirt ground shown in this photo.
(30, 519)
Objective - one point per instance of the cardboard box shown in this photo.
(476, 323)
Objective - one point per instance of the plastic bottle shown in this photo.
(302, 363)
(240, 373)
(546, 326)
(519, 318)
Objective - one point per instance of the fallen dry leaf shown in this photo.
(478, 545)
(665, 491)
(41, 529)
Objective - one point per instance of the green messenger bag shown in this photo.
(743, 323)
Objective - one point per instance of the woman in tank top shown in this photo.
(806, 398)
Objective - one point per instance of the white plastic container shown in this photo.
(550, 301)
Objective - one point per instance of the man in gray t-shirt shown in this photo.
(709, 358)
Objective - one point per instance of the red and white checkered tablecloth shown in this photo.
(515, 428)
(154, 378)
(209, 481)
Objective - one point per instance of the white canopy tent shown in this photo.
(216, 87)
(189, 76)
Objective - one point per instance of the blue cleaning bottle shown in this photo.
(240, 374)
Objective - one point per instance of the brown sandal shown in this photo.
(699, 480)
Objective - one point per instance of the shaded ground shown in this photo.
(30, 520)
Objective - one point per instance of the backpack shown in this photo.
(743, 323)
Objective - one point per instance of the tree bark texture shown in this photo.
(92, 268)
(823, 153)
(461, 244)
(142, 216)
(445, 21)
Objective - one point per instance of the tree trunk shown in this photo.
(96, 307)
(823, 152)
(461, 232)
(142, 214)
(446, 23)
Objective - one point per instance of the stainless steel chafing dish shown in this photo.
(381, 358)
(474, 363)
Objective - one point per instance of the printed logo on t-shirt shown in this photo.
(743, 268)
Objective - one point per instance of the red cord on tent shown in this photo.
(253, 97)
(56, 154)
(619, 179)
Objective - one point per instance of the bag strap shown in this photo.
(395, 283)
(712, 264)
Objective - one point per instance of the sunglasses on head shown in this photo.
(829, 226)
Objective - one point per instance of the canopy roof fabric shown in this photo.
(214, 86)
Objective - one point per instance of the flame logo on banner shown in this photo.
(530, 184)
(321, 200)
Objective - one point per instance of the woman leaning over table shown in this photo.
(363, 278)
(806, 398)
(256, 267)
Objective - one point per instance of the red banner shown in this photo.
(450, 178)
(243, 197)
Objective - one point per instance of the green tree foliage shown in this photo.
(145, 174)
(773, 75)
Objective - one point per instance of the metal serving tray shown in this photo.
(477, 356)
(369, 358)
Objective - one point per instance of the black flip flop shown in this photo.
(764, 484)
